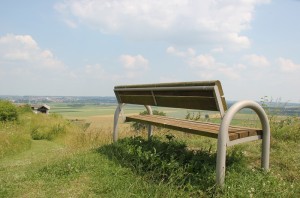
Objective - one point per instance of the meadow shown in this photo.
(69, 153)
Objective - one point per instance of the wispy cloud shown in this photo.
(288, 65)
(205, 65)
(178, 21)
(256, 60)
(22, 51)
(134, 65)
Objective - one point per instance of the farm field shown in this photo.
(79, 160)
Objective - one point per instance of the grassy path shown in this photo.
(49, 170)
(41, 151)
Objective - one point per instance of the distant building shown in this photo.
(40, 108)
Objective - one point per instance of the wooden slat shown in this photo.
(199, 128)
(134, 99)
(188, 102)
(207, 93)
(136, 93)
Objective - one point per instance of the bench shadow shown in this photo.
(169, 161)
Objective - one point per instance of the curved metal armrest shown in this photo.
(242, 105)
(223, 138)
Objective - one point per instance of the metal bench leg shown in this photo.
(150, 127)
(221, 153)
(116, 118)
(266, 136)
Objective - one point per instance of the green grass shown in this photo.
(82, 162)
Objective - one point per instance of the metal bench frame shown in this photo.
(223, 135)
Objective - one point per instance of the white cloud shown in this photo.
(288, 65)
(134, 65)
(205, 65)
(189, 52)
(23, 51)
(137, 62)
(203, 61)
(256, 60)
(176, 20)
(95, 70)
(230, 72)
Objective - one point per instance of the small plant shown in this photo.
(193, 116)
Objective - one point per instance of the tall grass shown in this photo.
(14, 138)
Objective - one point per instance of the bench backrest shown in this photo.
(201, 95)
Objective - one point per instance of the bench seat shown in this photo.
(194, 127)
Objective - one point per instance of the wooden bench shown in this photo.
(205, 95)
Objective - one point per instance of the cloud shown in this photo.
(179, 21)
(134, 62)
(96, 71)
(22, 51)
(26, 68)
(256, 60)
(230, 72)
(287, 65)
(203, 61)
(134, 65)
(172, 50)
(205, 65)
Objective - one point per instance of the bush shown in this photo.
(47, 132)
(8, 111)
(44, 127)
(137, 126)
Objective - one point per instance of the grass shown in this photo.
(81, 161)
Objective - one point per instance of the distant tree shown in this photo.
(8, 111)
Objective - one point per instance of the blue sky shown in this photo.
(86, 47)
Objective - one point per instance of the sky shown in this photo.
(86, 47)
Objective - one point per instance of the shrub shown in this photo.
(47, 132)
(169, 161)
(47, 127)
(8, 111)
